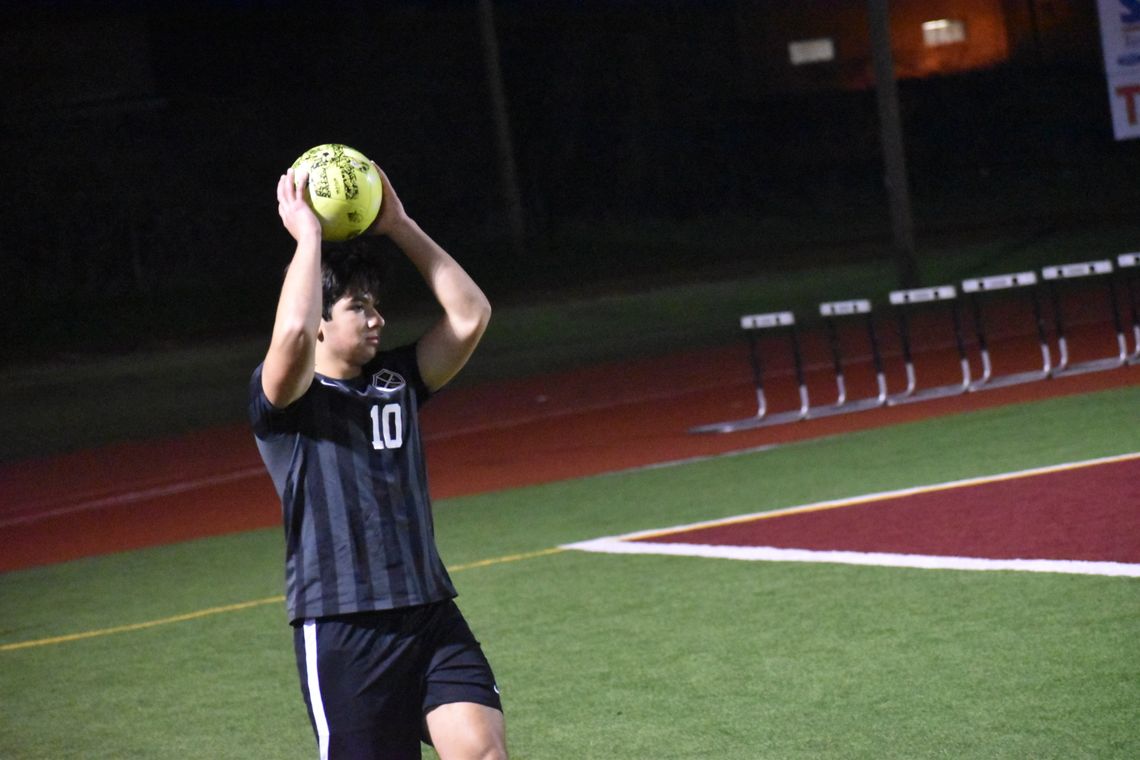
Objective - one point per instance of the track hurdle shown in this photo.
(1129, 266)
(830, 311)
(751, 323)
(904, 299)
(1025, 282)
(1055, 275)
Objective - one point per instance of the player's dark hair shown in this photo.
(356, 265)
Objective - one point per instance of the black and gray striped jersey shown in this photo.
(347, 462)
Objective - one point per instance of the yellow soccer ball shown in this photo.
(345, 190)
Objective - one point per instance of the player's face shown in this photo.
(352, 331)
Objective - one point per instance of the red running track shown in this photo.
(480, 438)
(1080, 513)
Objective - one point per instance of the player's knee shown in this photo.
(490, 745)
(493, 752)
(488, 750)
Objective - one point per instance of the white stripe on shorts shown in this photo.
(315, 688)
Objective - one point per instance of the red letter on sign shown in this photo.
(1129, 94)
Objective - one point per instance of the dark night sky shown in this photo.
(161, 129)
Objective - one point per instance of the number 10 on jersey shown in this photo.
(387, 426)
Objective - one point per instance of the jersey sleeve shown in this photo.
(265, 418)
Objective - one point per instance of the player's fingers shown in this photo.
(301, 181)
(383, 177)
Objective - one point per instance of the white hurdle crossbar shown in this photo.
(901, 300)
(1025, 282)
(750, 323)
(830, 311)
(1064, 272)
(1129, 266)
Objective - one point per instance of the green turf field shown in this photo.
(631, 656)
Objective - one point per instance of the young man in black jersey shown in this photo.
(384, 655)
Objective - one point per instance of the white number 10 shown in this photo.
(387, 427)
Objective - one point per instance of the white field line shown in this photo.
(713, 381)
(881, 496)
(634, 543)
(33, 513)
(556, 411)
(878, 559)
(131, 497)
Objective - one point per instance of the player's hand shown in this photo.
(392, 213)
(292, 205)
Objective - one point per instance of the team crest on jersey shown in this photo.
(388, 381)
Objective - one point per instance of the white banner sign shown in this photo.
(1120, 38)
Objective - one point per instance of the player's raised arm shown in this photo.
(289, 362)
(447, 346)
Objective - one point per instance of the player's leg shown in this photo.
(463, 713)
(467, 731)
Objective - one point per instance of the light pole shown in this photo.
(508, 171)
(890, 135)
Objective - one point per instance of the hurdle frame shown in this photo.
(901, 299)
(750, 323)
(1073, 271)
(829, 310)
(1128, 265)
(976, 288)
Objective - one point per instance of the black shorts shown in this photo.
(375, 675)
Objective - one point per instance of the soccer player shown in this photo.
(384, 656)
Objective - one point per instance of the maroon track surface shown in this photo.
(1084, 513)
(479, 439)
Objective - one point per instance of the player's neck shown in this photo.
(335, 367)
